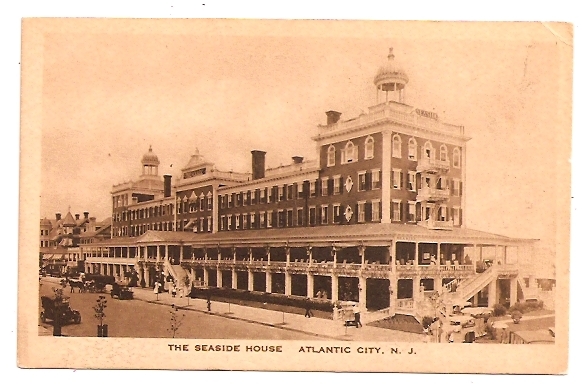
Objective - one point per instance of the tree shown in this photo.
(100, 315)
(175, 321)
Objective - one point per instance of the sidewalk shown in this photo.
(298, 323)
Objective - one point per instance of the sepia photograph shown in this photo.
(304, 195)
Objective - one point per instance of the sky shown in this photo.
(107, 95)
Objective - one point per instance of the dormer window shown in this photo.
(331, 156)
(369, 148)
(412, 149)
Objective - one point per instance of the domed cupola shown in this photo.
(150, 163)
(391, 78)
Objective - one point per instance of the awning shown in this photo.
(190, 224)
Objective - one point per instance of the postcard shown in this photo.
(295, 195)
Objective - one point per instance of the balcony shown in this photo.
(404, 306)
(432, 165)
(432, 194)
(436, 224)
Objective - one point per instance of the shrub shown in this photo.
(516, 316)
(427, 321)
(499, 310)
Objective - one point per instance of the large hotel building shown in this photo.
(377, 217)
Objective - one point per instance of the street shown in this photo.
(135, 318)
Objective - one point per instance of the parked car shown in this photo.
(121, 291)
(59, 309)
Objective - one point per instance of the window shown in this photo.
(281, 219)
(376, 210)
(369, 148)
(209, 223)
(299, 217)
(222, 222)
(312, 216)
(246, 197)
(201, 224)
(376, 182)
(361, 211)
(397, 147)
(443, 213)
(331, 156)
(349, 155)
(396, 210)
(412, 149)
(202, 201)
(456, 158)
(300, 190)
(245, 221)
(324, 186)
(336, 184)
(209, 201)
(443, 152)
(229, 200)
(262, 196)
(428, 152)
(237, 221)
(336, 214)
(324, 214)
(269, 219)
(280, 193)
(456, 187)
(396, 179)
(412, 181)
(254, 197)
(252, 220)
(238, 199)
(269, 194)
(261, 219)
(362, 182)
(456, 216)
(411, 211)
(229, 222)
(290, 218)
(312, 188)
(290, 192)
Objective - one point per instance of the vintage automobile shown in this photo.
(121, 291)
(59, 309)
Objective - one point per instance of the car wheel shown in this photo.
(43, 318)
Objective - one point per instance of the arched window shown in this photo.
(412, 149)
(397, 146)
(331, 156)
(350, 153)
(428, 152)
(456, 158)
(443, 152)
(369, 148)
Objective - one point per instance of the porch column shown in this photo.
(362, 293)
(334, 252)
(288, 283)
(268, 281)
(192, 275)
(386, 175)
(309, 285)
(392, 291)
(249, 280)
(219, 278)
(334, 287)
(181, 253)
(513, 292)
(438, 258)
(492, 293)
(438, 284)
(475, 300)
(158, 255)
(416, 287)
(287, 256)
(416, 253)
(361, 250)
(309, 254)
(167, 253)
(233, 278)
(146, 275)
(206, 276)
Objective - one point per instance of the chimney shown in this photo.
(258, 164)
(77, 216)
(297, 159)
(58, 216)
(167, 185)
(86, 215)
(332, 117)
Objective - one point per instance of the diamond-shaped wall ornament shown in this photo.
(348, 213)
(348, 184)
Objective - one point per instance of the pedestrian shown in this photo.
(173, 292)
(208, 304)
(308, 312)
(357, 316)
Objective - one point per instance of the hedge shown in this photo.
(262, 297)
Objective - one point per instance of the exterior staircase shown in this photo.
(178, 273)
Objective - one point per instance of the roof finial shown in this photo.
(390, 54)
